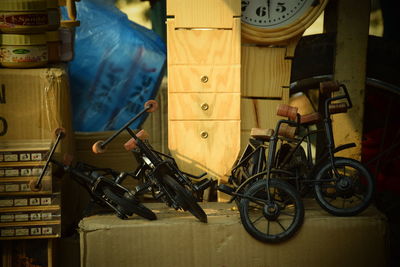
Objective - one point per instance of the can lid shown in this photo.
(23, 39)
(52, 4)
(23, 5)
(53, 36)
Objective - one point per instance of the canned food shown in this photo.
(23, 16)
(23, 50)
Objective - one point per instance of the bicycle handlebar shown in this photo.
(338, 107)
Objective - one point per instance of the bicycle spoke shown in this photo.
(268, 224)
(257, 202)
(256, 220)
(284, 229)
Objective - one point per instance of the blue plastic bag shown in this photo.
(118, 66)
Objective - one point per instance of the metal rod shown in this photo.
(126, 126)
(53, 149)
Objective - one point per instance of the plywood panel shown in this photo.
(204, 106)
(204, 13)
(259, 113)
(202, 79)
(195, 152)
(203, 46)
(264, 71)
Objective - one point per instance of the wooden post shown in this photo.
(351, 20)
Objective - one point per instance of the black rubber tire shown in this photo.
(331, 199)
(288, 200)
(184, 198)
(128, 206)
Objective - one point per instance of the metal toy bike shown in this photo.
(342, 186)
(97, 181)
(158, 173)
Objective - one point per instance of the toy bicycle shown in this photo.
(271, 209)
(158, 173)
(100, 184)
(342, 186)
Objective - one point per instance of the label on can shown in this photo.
(13, 20)
(23, 54)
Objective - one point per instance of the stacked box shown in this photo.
(26, 211)
(33, 104)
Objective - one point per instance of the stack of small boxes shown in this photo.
(27, 211)
(34, 100)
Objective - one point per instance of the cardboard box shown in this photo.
(26, 152)
(178, 239)
(115, 157)
(29, 201)
(26, 186)
(33, 103)
(36, 231)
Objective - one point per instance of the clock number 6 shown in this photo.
(261, 11)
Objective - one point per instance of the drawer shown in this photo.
(204, 79)
(203, 46)
(207, 106)
(205, 146)
(204, 13)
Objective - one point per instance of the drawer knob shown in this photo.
(204, 134)
(204, 79)
(204, 106)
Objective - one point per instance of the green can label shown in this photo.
(15, 54)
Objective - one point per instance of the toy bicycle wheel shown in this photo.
(274, 219)
(184, 198)
(348, 194)
(127, 206)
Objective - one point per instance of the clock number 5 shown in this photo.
(280, 7)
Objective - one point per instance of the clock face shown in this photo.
(274, 13)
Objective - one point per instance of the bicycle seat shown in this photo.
(287, 111)
(261, 134)
(328, 87)
(287, 131)
(131, 144)
(338, 108)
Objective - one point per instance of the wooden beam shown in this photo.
(352, 27)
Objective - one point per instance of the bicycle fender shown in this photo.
(343, 147)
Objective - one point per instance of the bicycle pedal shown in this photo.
(202, 185)
(158, 195)
(226, 189)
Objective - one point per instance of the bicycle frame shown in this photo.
(150, 159)
(271, 167)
